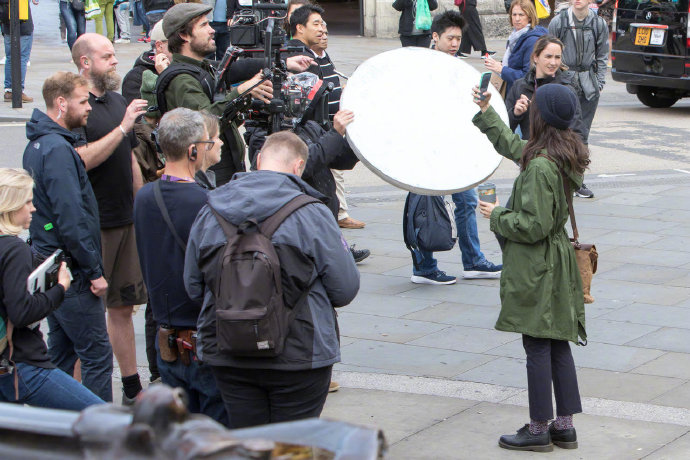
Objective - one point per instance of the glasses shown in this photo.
(210, 143)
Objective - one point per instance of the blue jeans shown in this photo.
(50, 388)
(78, 330)
(423, 262)
(466, 223)
(139, 16)
(75, 21)
(25, 42)
(198, 381)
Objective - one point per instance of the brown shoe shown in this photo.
(26, 98)
(8, 96)
(333, 387)
(349, 222)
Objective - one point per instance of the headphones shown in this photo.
(86, 61)
(193, 154)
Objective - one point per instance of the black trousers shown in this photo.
(473, 36)
(260, 396)
(550, 360)
(150, 330)
(422, 41)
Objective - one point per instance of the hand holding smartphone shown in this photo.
(484, 81)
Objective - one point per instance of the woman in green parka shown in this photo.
(541, 288)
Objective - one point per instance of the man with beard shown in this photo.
(66, 218)
(115, 177)
(191, 38)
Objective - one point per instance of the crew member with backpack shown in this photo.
(269, 263)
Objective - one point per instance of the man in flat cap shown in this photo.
(190, 38)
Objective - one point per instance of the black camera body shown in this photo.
(248, 29)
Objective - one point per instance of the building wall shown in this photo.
(381, 20)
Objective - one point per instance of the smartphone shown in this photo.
(484, 81)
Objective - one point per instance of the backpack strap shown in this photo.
(166, 216)
(271, 224)
(204, 78)
(568, 197)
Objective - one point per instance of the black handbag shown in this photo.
(427, 223)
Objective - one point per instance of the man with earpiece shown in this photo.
(164, 212)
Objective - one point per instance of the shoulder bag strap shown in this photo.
(271, 224)
(568, 198)
(166, 217)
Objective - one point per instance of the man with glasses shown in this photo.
(164, 212)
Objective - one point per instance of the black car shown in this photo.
(651, 49)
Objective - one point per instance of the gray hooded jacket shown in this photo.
(313, 340)
(588, 71)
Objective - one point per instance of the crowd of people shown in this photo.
(241, 266)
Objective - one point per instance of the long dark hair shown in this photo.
(564, 146)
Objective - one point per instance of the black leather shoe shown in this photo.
(524, 440)
(359, 254)
(565, 439)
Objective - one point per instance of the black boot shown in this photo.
(565, 439)
(524, 440)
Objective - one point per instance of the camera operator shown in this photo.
(27, 376)
(190, 38)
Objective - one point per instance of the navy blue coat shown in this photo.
(519, 61)
(63, 197)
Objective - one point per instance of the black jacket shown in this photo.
(25, 27)
(327, 150)
(526, 86)
(23, 309)
(409, 12)
(131, 84)
(295, 43)
(63, 197)
(154, 5)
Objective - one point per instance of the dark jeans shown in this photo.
(550, 360)
(77, 330)
(222, 39)
(50, 388)
(75, 21)
(473, 37)
(260, 396)
(150, 329)
(589, 108)
(197, 380)
(422, 41)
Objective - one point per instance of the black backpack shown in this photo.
(258, 284)
(427, 223)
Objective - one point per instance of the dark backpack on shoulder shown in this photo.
(253, 311)
(205, 79)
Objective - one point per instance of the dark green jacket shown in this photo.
(541, 288)
(185, 91)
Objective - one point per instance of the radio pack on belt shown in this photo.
(258, 285)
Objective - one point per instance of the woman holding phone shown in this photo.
(26, 374)
(541, 289)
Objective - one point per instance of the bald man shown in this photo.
(115, 177)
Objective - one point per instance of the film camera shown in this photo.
(248, 29)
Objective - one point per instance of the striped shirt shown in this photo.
(329, 76)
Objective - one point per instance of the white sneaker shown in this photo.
(123, 40)
(3, 61)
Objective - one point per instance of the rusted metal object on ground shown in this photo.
(159, 426)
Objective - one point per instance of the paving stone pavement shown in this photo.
(424, 363)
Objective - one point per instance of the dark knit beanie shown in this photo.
(557, 105)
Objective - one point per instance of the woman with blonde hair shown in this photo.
(26, 374)
(516, 60)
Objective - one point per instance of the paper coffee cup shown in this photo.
(487, 192)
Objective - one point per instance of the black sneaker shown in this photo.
(565, 439)
(524, 440)
(584, 192)
(462, 55)
(437, 277)
(359, 254)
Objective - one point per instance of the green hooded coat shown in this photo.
(541, 288)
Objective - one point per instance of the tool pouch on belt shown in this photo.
(185, 345)
(167, 344)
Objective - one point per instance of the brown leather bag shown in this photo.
(585, 254)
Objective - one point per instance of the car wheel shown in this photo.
(651, 98)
